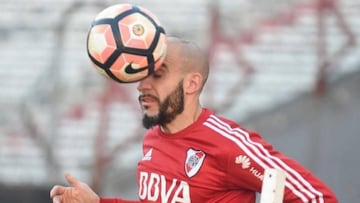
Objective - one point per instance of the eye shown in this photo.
(157, 75)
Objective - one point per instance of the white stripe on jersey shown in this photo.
(294, 181)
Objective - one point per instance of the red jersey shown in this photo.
(216, 160)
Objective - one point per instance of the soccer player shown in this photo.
(194, 155)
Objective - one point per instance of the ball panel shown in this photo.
(101, 71)
(113, 11)
(101, 43)
(137, 31)
(160, 50)
(150, 15)
(129, 67)
(136, 43)
(158, 63)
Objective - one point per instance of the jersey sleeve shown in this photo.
(251, 155)
(117, 200)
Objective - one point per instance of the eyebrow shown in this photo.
(163, 67)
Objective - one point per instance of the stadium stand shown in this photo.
(58, 114)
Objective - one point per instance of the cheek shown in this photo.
(163, 93)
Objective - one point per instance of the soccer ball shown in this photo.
(126, 43)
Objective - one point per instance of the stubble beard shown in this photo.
(172, 106)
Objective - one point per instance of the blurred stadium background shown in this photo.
(289, 69)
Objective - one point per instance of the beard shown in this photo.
(172, 106)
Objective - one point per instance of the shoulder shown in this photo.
(222, 131)
(223, 125)
(230, 134)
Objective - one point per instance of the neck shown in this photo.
(183, 120)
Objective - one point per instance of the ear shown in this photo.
(192, 83)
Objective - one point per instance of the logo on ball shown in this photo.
(138, 29)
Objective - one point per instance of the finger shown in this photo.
(57, 199)
(57, 190)
(73, 181)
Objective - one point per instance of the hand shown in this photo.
(78, 193)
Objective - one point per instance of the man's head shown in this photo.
(175, 86)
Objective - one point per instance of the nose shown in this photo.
(144, 84)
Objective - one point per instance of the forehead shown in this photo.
(173, 59)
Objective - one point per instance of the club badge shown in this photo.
(193, 162)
